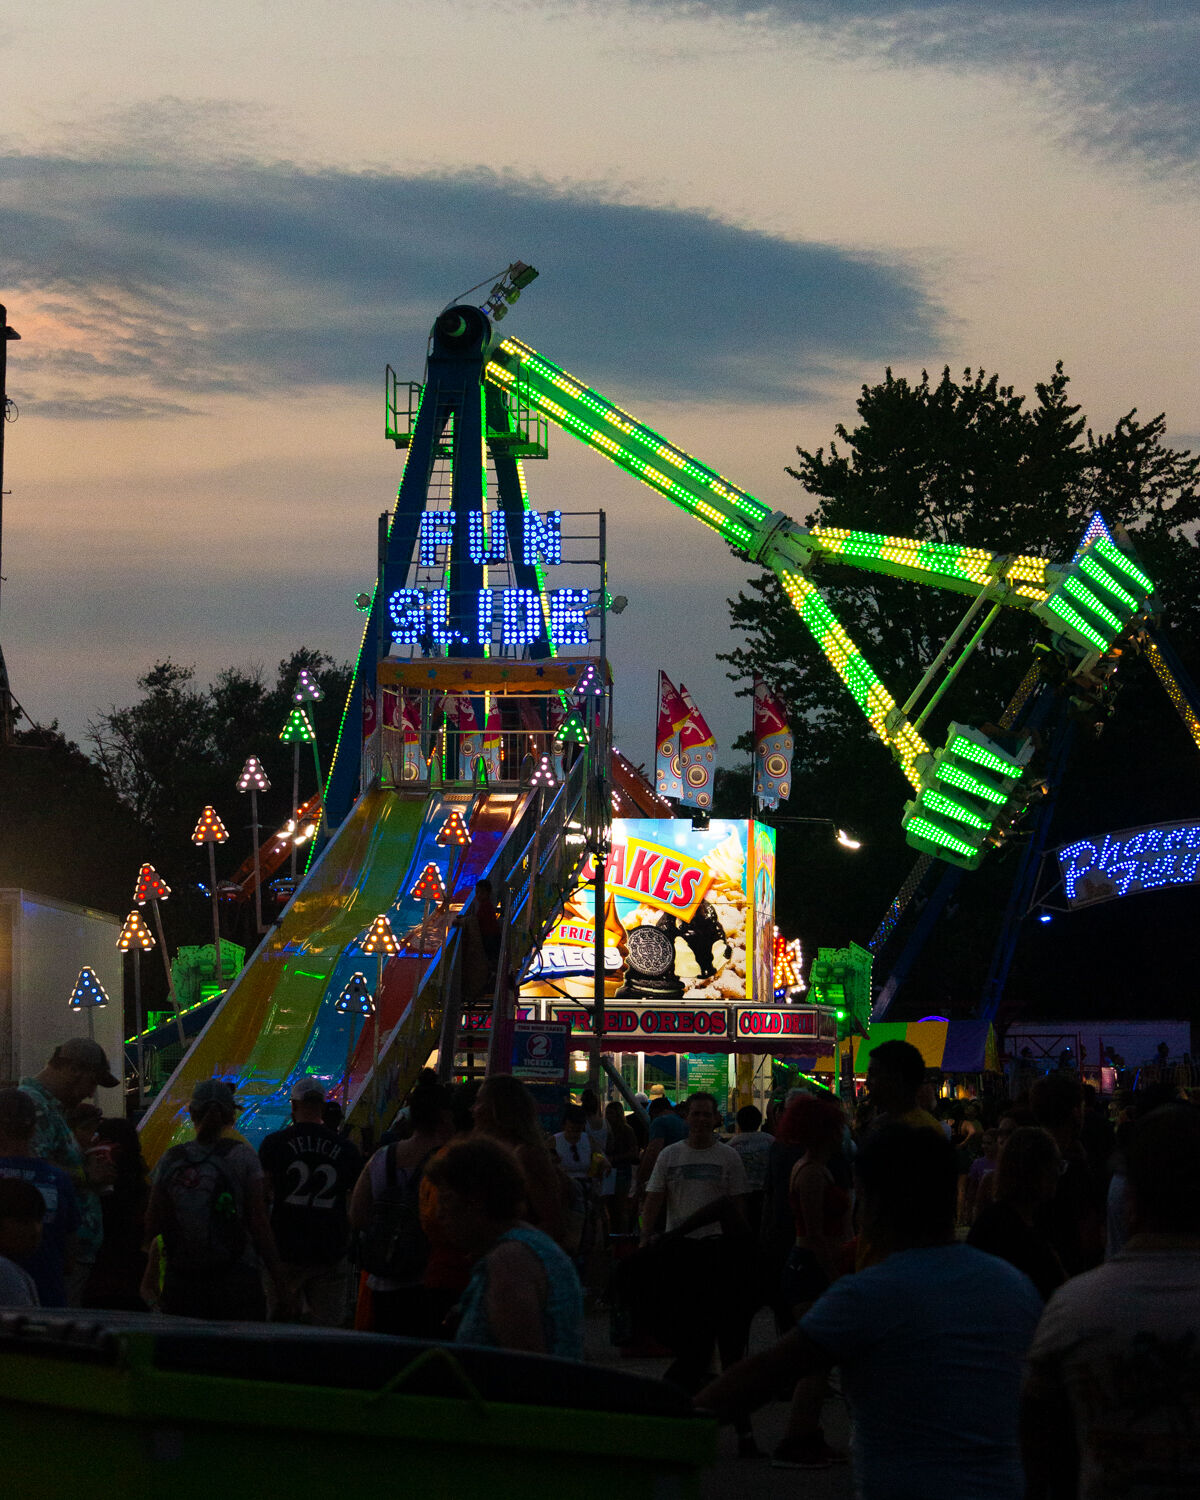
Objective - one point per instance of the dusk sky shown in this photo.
(218, 224)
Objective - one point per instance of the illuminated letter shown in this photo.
(568, 617)
(482, 530)
(437, 530)
(483, 617)
(543, 537)
(439, 619)
(406, 608)
(522, 617)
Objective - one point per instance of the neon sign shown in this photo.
(1130, 860)
(514, 617)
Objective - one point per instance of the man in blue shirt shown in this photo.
(930, 1339)
(47, 1264)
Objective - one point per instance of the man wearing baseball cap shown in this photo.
(76, 1069)
(311, 1171)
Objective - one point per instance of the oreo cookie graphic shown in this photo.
(650, 967)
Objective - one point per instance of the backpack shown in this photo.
(204, 1228)
(393, 1244)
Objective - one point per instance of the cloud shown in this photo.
(105, 408)
(147, 285)
(1125, 78)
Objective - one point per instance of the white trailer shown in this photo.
(43, 945)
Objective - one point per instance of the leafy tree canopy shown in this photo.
(180, 746)
(65, 831)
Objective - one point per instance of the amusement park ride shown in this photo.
(461, 612)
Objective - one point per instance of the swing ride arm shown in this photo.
(962, 790)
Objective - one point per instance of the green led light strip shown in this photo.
(945, 564)
(955, 776)
(631, 445)
(1102, 547)
(964, 749)
(1071, 616)
(938, 802)
(935, 834)
(1107, 582)
(877, 704)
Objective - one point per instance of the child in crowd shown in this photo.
(22, 1209)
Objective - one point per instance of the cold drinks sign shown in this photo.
(507, 616)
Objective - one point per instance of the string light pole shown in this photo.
(454, 833)
(296, 732)
(136, 938)
(211, 831)
(309, 690)
(592, 697)
(431, 889)
(151, 888)
(355, 1000)
(89, 995)
(383, 943)
(254, 780)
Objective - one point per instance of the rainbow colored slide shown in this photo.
(278, 1019)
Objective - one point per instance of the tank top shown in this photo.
(562, 1313)
(835, 1204)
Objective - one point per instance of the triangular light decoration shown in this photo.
(253, 777)
(135, 934)
(88, 992)
(380, 938)
(210, 829)
(454, 830)
(298, 729)
(572, 731)
(150, 886)
(356, 996)
(544, 775)
(307, 689)
(589, 684)
(430, 887)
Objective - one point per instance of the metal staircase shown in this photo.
(534, 870)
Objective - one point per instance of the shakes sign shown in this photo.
(668, 879)
(685, 910)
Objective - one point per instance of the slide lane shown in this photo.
(321, 1032)
(258, 1034)
(490, 818)
(325, 1052)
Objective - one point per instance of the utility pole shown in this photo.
(9, 709)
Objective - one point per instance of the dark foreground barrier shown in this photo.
(112, 1405)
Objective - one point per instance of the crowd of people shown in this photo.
(1006, 1292)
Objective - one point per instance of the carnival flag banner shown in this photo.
(492, 739)
(410, 731)
(460, 715)
(697, 757)
(672, 716)
(772, 748)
